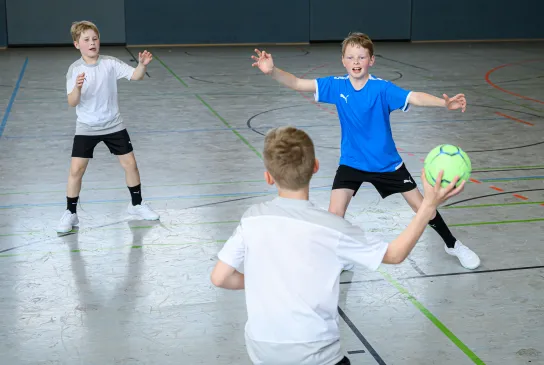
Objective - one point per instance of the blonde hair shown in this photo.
(289, 157)
(80, 27)
(358, 39)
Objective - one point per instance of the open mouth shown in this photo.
(357, 70)
(92, 49)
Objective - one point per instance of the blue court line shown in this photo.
(196, 196)
(12, 99)
(511, 178)
(167, 131)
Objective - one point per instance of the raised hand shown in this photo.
(263, 62)
(458, 101)
(145, 58)
(80, 79)
(436, 195)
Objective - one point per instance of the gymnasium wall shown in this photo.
(142, 22)
(476, 19)
(216, 21)
(3, 26)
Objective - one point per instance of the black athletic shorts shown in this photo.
(387, 183)
(118, 143)
(344, 361)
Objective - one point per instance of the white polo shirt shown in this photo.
(292, 254)
(98, 109)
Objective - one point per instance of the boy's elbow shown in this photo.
(217, 280)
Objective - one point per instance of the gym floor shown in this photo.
(122, 291)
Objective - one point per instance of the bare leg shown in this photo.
(340, 199)
(132, 174)
(78, 166)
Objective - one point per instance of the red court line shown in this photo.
(521, 197)
(475, 181)
(508, 91)
(515, 119)
(496, 188)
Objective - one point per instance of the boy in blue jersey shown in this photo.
(368, 151)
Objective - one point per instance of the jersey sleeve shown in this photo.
(233, 252)
(325, 90)
(71, 77)
(358, 247)
(397, 97)
(122, 70)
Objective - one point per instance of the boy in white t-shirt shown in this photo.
(91, 84)
(288, 255)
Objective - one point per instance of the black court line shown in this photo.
(361, 338)
(402, 63)
(488, 195)
(450, 274)
(356, 352)
(134, 59)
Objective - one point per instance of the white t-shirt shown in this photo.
(98, 109)
(292, 254)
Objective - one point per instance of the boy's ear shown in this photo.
(316, 166)
(76, 44)
(269, 179)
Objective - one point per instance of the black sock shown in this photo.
(71, 204)
(136, 194)
(442, 229)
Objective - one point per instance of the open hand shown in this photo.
(80, 79)
(436, 195)
(263, 62)
(145, 58)
(458, 101)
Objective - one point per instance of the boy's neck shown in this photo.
(90, 60)
(303, 194)
(358, 84)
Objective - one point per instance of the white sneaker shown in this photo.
(143, 210)
(67, 222)
(466, 256)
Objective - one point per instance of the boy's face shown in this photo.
(88, 44)
(357, 61)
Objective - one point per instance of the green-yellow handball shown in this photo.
(452, 159)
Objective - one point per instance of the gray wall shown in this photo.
(3, 34)
(477, 19)
(333, 20)
(45, 25)
(216, 21)
(283, 21)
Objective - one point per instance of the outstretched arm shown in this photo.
(144, 58)
(424, 99)
(265, 63)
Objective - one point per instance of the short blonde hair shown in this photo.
(80, 27)
(358, 39)
(289, 156)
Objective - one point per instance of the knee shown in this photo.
(129, 164)
(77, 171)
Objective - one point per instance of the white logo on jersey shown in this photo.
(345, 97)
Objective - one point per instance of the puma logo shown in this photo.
(344, 97)
(408, 181)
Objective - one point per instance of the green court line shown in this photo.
(508, 167)
(489, 205)
(491, 180)
(229, 126)
(246, 142)
(170, 70)
(433, 319)
(497, 222)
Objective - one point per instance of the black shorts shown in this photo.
(118, 143)
(344, 361)
(387, 183)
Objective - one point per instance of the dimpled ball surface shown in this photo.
(452, 159)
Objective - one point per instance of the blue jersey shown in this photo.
(367, 141)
